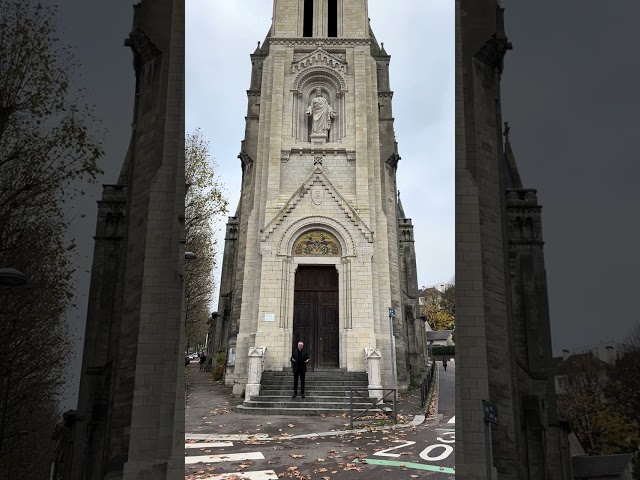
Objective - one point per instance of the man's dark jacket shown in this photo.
(300, 364)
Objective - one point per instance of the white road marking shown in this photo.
(256, 475)
(221, 437)
(229, 457)
(208, 445)
(383, 453)
(452, 420)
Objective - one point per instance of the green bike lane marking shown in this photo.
(417, 466)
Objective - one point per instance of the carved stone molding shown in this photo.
(253, 93)
(142, 46)
(284, 156)
(246, 160)
(351, 156)
(385, 94)
(319, 57)
(393, 160)
(313, 42)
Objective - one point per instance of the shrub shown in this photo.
(218, 370)
(441, 350)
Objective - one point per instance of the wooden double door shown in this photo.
(315, 315)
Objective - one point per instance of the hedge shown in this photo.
(443, 350)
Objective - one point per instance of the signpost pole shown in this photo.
(487, 445)
(392, 313)
(490, 416)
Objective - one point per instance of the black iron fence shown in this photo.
(425, 384)
(375, 405)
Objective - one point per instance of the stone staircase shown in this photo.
(326, 392)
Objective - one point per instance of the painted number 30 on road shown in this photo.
(433, 453)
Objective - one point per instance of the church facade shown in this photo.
(319, 248)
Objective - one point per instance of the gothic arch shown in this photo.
(298, 228)
(329, 75)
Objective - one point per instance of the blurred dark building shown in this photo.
(503, 341)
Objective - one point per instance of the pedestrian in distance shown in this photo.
(203, 359)
(444, 363)
(299, 360)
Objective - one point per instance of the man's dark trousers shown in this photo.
(297, 374)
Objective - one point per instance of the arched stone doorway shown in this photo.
(316, 319)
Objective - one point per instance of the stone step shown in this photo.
(296, 412)
(331, 391)
(289, 381)
(309, 397)
(328, 373)
(284, 402)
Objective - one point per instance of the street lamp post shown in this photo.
(392, 313)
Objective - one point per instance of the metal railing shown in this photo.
(376, 403)
(424, 385)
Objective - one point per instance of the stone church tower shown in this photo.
(319, 248)
(129, 423)
(502, 318)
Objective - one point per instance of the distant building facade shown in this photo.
(503, 342)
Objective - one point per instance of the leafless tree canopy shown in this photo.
(46, 153)
(205, 202)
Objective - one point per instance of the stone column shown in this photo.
(256, 364)
(373, 371)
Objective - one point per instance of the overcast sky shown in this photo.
(419, 36)
(571, 93)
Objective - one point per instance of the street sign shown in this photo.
(392, 312)
(490, 412)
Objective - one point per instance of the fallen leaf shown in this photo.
(295, 455)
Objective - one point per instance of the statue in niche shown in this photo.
(322, 114)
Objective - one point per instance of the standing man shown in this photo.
(299, 361)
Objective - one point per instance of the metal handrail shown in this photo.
(375, 402)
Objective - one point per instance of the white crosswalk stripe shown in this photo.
(208, 445)
(224, 457)
(210, 457)
(257, 475)
(452, 420)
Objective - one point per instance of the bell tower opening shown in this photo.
(307, 26)
(332, 18)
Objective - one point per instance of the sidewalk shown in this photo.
(210, 409)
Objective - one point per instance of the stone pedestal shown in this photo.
(373, 357)
(256, 365)
(318, 138)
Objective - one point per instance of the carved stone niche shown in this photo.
(313, 73)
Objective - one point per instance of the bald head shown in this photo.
(300, 345)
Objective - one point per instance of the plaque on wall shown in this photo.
(269, 317)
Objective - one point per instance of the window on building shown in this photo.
(307, 27)
(333, 18)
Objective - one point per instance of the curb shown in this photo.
(417, 420)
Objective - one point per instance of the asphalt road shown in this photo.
(424, 451)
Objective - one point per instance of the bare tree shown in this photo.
(205, 201)
(46, 155)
